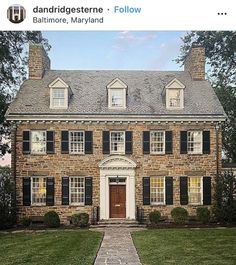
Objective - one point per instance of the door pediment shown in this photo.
(117, 162)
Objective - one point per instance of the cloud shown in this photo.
(167, 52)
(128, 39)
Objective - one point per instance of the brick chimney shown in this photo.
(39, 61)
(195, 62)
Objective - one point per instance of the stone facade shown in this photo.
(58, 165)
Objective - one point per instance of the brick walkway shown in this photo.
(117, 248)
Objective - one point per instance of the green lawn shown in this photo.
(49, 248)
(182, 246)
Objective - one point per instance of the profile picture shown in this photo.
(16, 13)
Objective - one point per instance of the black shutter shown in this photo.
(64, 142)
(169, 190)
(206, 142)
(88, 142)
(206, 190)
(128, 142)
(50, 191)
(168, 142)
(26, 191)
(184, 190)
(146, 190)
(65, 191)
(146, 142)
(183, 142)
(26, 142)
(88, 190)
(50, 142)
(106, 142)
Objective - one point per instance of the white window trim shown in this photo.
(113, 152)
(195, 153)
(181, 99)
(164, 197)
(164, 145)
(76, 203)
(110, 98)
(31, 191)
(201, 191)
(66, 94)
(31, 142)
(77, 153)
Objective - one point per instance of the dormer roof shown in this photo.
(58, 82)
(175, 83)
(117, 83)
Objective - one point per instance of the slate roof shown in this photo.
(145, 95)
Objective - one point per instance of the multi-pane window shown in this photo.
(194, 142)
(77, 190)
(117, 98)
(117, 142)
(194, 190)
(76, 142)
(174, 98)
(38, 190)
(157, 142)
(58, 97)
(38, 142)
(157, 190)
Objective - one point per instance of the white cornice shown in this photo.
(117, 118)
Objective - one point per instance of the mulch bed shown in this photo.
(165, 225)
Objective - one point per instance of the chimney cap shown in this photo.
(196, 45)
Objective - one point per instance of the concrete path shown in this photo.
(117, 247)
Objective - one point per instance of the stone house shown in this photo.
(110, 143)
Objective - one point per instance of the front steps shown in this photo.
(118, 223)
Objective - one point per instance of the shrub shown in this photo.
(7, 202)
(203, 215)
(26, 221)
(154, 217)
(51, 219)
(179, 215)
(224, 207)
(80, 219)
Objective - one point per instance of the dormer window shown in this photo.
(117, 91)
(58, 97)
(174, 95)
(174, 98)
(59, 94)
(117, 97)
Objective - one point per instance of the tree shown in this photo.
(220, 48)
(7, 203)
(13, 61)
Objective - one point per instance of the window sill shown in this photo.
(38, 204)
(77, 154)
(157, 204)
(195, 153)
(38, 154)
(112, 153)
(77, 204)
(158, 154)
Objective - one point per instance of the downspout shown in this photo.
(217, 127)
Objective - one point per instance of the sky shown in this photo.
(112, 50)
